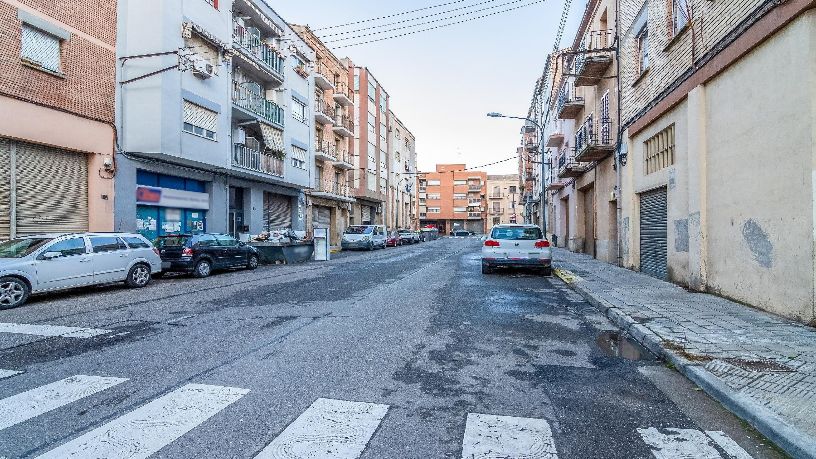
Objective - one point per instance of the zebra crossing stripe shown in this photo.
(690, 443)
(51, 330)
(40, 400)
(8, 373)
(490, 436)
(334, 429)
(149, 428)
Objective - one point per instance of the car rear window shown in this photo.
(136, 243)
(101, 244)
(518, 233)
(172, 241)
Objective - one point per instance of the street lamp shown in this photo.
(543, 196)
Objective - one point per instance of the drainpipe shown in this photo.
(618, 164)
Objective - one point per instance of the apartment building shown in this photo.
(453, 198)
(370, 174)
(214, 118)
(57, 87)
(402, 204)
(530, 180)
(719, 122)
(331, 198)
(581, 137)
(502, 197)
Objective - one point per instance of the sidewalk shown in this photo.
(760, 366)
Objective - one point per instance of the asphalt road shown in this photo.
(405, 353)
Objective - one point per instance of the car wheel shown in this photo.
(202, 269)
(486, 269)
(13, 292)
(138, 276)
(253, 262)
(370, 246)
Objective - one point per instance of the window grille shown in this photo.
(659, 150)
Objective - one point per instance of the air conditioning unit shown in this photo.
(239, 136)
(202, 68)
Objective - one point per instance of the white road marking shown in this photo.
(8, 373)
(728, 445)
(149, 428)
(690, 444)
(51, 330)
(32, 403)
(490, 436)
(334, 429)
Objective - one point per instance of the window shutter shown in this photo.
(200, 117)
(40, 47)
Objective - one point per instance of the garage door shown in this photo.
(51, 189)
(653, 234)
(277, 211)
(322, 217)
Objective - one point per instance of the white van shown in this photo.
(367, 237)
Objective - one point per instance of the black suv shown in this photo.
(200, 254)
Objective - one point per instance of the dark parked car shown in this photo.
(200, 254)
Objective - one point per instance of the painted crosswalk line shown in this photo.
(8, 373)
(490, 436)
(334, 429)
(673, 443)
(149, 428)
(40, 400)
(51, 330)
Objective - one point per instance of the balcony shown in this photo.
(496, 211)
(325, 150)
(324, 78)
(593, 141)
(343, 95)
(555, 140)
(247, 41)
(555, 186)
(344, 126)
(472, 188)
(474, 202)
(323, 111)
(594, 58)
(332, 190)
(344, 160)
(257, 104)
(568, 167)
(474, 215)
(496, 196)
(257, 161)
(531, 144)
(569, 104)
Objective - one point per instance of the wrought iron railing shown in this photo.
(255, 160)
(256, 103)
(321, 106)
(594, 43)
(256, 48)
(343, 88)
(323, 70)
(593, 133)
(344, 156)
(326, 147)
(344, 121)
(335, 188)
(567, 95)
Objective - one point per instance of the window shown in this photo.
(434, 183)
(433, 196)
(512, 189)
(496, 220)
(372, 90)
(371, 182)
(298, 157)
(459, 182)
(659, 150)
(226, 241)
(200, 121)
(40, 48)
(680, 15)
(206, 240)
(643, 49)
(460, 196)
(525, 234)
(460, 209)
(68, 247)
(101, 244)
(434, 210)
(298, 110)
(136, 243)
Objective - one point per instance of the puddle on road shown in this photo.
(614, 344)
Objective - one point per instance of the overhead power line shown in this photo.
(439, 26)
(389, 16)
(468, 13)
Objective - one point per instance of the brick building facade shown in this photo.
(453, 198)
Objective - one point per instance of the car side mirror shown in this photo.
(50, 255)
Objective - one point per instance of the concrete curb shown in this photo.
(792, 441)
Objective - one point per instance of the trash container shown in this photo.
(321, 244)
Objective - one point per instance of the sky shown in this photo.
(443, 82)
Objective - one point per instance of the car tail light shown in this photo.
(542, 244)
(491, 243)
(156, 251)
(187, 252)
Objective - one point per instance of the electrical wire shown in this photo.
(439, 26)
(388, 16)
(423, 23)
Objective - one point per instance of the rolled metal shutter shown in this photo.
(5, 188)
(322, 217)
(365, 214)
(277, 211)
(653, 234)
(52, 190)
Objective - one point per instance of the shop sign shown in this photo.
(168, 197)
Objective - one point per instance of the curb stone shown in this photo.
(792, 441)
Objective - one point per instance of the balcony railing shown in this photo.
(252, 45)
(324, 111)
(594, 57)
(344, 125)
(496, 211)
(593, 141)
(344, 157)
(324, 78)
(254, 160)
(326, 147)
(257, 104)
(568, 167)
(343, 94)
(332, 187)
(474, 215)
(569, 103)
(474, 188)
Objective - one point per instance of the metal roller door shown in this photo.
(653, 234)
(322, 217)
(5, 188)
(277, 211)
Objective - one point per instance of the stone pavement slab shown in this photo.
(760, 366)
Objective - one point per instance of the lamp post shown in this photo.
(543, 194)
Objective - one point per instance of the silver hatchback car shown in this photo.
(512, 245)
(49, 262)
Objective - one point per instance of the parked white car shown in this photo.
(368, 237)
(49, 262)
(513, 245)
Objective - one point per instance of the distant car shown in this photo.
(50, 262)
(460, 233)
(201, 254)
(366, 237)
(521, 246)
(408, 236)
(393, 239)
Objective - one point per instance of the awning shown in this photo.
(273, 138)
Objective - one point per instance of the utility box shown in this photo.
(321, 244)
